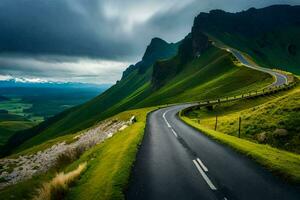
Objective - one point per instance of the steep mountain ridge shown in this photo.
(191, 47)
(269, 35)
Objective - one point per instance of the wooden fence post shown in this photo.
(240, 120)
(216, 124)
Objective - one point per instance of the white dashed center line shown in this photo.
(198, 163)
(174, 133)
(202, 165)
(164, 116)
(205, 177)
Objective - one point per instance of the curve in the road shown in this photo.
(280, 78)
(175, 161)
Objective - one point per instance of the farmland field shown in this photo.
(24, 107)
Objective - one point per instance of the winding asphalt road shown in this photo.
(280, 79)
(177, 162)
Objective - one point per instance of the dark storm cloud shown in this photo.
(100, 28)
(62, 35)
(58, 27)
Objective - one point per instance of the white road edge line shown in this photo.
(174, 133)
(205, 177)
(202, 165)
(164, 116)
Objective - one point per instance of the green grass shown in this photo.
(26, 189)
(278, 161)
(262, 119)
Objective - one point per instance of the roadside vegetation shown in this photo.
(281, 162)
(58, 186)
(104, 176)
(110, 163)
(272, 120)
(269, 131)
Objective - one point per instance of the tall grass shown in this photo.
(58, 186)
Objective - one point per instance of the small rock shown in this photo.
(132, 120)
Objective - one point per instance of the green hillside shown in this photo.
(272, 120)
(269, 35)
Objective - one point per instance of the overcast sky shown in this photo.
(93, 40)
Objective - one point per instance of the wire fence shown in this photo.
(292, 82)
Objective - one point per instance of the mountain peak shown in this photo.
(154, 46)
(156, 40)
(156, 50)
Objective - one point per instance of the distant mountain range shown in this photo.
(13, 82)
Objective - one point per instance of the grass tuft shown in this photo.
(58, 186)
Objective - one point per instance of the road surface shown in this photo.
(280, 79)
(177, 162)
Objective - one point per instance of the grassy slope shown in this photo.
(202, 78)
(281, 162)
(109, 164)
(260, 116)
(212, 75)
